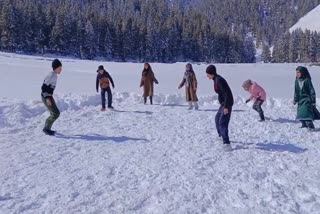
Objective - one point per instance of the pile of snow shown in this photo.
(309, 22)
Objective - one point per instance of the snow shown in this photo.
(152, 159)
(309, 22)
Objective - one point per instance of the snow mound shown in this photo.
(19, 112)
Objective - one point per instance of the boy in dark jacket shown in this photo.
(47, 89)
(225, 98)
(104, 79)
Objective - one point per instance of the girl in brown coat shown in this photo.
(190, 82)
(147, 81)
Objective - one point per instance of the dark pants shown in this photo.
(307, 124)
(103, 97)
(145, 100)
(54, 112)
(257, 106)
(222, 124)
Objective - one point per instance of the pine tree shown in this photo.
(266, 53)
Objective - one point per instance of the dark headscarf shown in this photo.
(304, 72)
(191, 68)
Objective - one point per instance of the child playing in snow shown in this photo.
(190, 82)
(258, 94)
(147, 81)
(104, 79)
(47, 89)
(225, 98)
(305, 97)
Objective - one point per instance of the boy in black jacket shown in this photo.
(225, 98)
(104, 79)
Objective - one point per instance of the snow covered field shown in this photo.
(152, 159)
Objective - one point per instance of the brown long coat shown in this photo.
(191, 90)
(147, 81)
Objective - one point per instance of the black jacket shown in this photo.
(104, 75)
(222, 88)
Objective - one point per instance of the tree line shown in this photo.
(147, 30)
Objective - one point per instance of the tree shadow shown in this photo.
(97, 137)
(275, 147)
(137, 112)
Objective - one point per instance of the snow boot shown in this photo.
(196, 106)
(49, 132)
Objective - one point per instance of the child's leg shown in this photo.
(190, 105)
(196, 106)
(257, 106)
(151, 100)
(109, 97)
(103, 98)
(224, 126)
(145, 100)
(217, 120)
(310, 124)
(304, 124)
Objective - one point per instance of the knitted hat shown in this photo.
(56, 64)
(211, 69)
(247, 83)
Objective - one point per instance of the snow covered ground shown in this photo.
(152, 159)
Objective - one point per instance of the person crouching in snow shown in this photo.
(104, 79)
(225, 98)
(147, 81)
(190, 82)
(305, 97)
(258, 94)
(47, 89)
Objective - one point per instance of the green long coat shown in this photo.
(305, 97)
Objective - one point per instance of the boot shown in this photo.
(196, 106)
(261, 117)
(190, 106)
(145, 100)
(49, 132)
(151, 100)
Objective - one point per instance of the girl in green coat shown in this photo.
(305, 97)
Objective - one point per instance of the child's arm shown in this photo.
(296, 95)
(182, 83)
(97, 84)
(312, 93)
(195, 82)
(111, 80)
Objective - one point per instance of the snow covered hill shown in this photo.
(152, 159)
(309, 22)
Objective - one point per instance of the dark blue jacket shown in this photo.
(223, 90)
(104, 79)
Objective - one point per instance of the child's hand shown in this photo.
(248, 100)
(225, 111)
(49, 103)
(294, 102)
